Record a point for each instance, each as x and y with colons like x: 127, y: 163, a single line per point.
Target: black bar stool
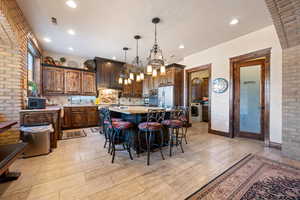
x: 105, y: 114
x: 152, y: 126
x: 174, y: 125
x: 117, y: 135
x: 183, y: 114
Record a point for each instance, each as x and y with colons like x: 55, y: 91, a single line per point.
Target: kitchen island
x: 137, y: 115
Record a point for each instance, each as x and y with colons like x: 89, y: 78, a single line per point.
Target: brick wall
x: 14, y: 34
x: 286, y: 17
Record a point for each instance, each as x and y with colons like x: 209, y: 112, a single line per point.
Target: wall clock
x: 220, y: 85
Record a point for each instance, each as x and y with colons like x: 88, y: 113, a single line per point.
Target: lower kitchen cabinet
x: 80, y: 117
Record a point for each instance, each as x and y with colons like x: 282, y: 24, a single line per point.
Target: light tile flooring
x: 80, y: 169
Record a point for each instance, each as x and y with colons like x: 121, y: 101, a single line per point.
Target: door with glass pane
x: 249, y: 99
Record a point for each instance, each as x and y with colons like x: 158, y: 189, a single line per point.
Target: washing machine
x: 196, y: 112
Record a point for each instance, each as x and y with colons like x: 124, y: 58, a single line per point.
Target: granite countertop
x: 132, y: 109
x: 48, y: 108
x: 79, y: 105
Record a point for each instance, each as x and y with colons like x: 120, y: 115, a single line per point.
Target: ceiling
x: 104, y: 27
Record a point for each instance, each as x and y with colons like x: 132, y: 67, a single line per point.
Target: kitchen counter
x: 131, y: 110
x: 48, y: 108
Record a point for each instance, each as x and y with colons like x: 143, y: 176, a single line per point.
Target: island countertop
x: 131, y: 110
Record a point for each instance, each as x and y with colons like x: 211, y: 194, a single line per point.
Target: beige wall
x: 219, y: 56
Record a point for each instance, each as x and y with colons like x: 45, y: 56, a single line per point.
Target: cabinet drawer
x: 37, y: 118
x: 78, y: 109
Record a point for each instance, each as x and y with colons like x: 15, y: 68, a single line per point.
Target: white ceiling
x: 104, y: 27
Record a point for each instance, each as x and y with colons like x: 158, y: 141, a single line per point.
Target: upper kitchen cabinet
x: 72, y: 82
x: 89, y: 83
x: 108, y: 72
x: 68, y: 81
x: 53, y: 80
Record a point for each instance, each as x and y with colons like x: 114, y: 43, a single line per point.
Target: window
x: 30, y: 65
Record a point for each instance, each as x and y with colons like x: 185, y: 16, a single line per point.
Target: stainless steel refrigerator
x: 166, y: 96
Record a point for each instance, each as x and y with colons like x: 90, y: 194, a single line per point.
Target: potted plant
x: 32, y: 88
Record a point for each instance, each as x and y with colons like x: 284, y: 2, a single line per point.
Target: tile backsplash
x: 65, y: 100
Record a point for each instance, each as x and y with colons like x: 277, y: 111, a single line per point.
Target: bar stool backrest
x: 156, y: 115
x: 183, y: 113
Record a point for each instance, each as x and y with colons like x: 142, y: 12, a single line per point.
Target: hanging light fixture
x: 137, y: 63
x: 156, y: 60
x: 129, y: 81
x: 123, y: 74
x: 125, y: 82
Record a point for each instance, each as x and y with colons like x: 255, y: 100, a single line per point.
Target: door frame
x: 265, y: 54
x: 187, y: 81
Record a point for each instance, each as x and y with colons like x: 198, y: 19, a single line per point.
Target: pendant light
x: 122, y: 77
x: 156, y: 59
x: 137, y: 63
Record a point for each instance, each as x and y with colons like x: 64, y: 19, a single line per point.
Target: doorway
x: 249, y: 95
x: 199, y: 94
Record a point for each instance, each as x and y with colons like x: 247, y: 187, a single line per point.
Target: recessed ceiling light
x: 71, y: 4
x: 114, y: 57
x: 234, y: 21
x: 71, y: 32
x: 71, y: 49
x: 181, y: 46
x: 46, y: 39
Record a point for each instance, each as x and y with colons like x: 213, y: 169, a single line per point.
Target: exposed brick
x: 14, y: 35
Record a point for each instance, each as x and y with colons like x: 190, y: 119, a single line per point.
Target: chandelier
x: 156, y: 60
x: 137, y: 63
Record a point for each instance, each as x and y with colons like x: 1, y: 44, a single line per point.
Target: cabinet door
x: 146, y: 87
x: 93, y: 116
x: 72, y: 82
x: 53, y: 80
x: 88, y: 83
x: 66, y: 122
x: 138, y: 89
x: 79, y: 119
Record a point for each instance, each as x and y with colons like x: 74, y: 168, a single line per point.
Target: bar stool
x: 105, y: 113
x: 174, y: 125
x: 183, y: 116
x: 117, y: 135
x: 154, y: 127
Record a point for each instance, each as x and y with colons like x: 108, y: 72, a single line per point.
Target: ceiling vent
x: 54, y: 20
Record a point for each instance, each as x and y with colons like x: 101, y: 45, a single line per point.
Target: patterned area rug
x: 256, y: 178
x: 74, y: 133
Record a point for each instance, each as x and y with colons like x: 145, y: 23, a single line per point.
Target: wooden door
x: 66, y: 122
x: 72, y: 82
x: 249, y: 101
x: 88, y: 83
x: 53, y: 80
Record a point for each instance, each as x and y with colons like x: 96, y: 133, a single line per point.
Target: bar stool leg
x: 181, y: 139
x: 139, y: 144
x: 113, y: 150
x: 161, y: 143
x: 148, y: 147
x: 170, y: 140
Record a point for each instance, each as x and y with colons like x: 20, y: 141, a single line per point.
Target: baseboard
x: 218, y: 132
x: 275, y: 145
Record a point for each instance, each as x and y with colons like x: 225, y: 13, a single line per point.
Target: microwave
x: 36, y: 103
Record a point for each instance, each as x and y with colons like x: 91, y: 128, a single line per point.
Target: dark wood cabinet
x: 72, y: 82
x: 80, y: 117
x: 68, y: 81
x: 53, y: 80
x: 135, y: 89
x: 88, y: 83
x: 108, y: 73
x: 173, y: 77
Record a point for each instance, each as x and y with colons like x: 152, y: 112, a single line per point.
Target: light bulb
x: 163, y: 70
x: 138, y: 79
x: 154, y: 73
x: 129, y: 81
x: 142, y: 76
x: 149, y: 69
x: 125, y: 82
x: 131, y: 76
x: 120, y: 80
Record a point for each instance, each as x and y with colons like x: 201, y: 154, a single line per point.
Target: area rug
x: 74, y: 133
x: 253, y: 177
